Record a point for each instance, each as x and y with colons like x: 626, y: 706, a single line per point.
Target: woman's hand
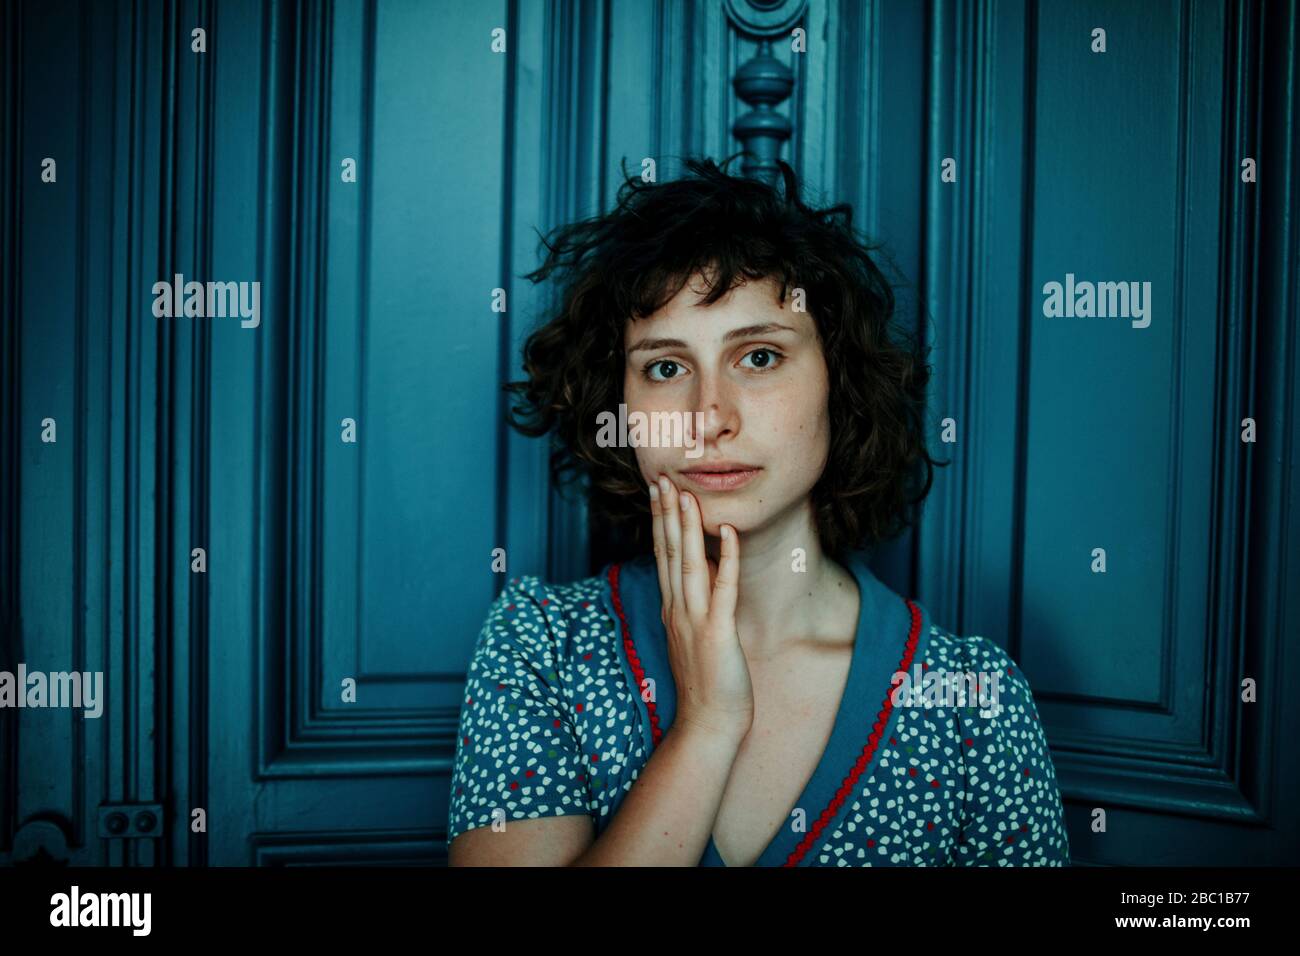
x: 699, y: 614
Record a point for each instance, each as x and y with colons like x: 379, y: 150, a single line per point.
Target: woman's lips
x: 720, y: 480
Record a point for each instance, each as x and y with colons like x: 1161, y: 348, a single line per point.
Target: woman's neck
x: 791, y: 591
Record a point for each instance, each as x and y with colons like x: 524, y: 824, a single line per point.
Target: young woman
x: 735, y: 695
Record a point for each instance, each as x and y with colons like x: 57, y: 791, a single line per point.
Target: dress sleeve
x: 1012, y: 814
x: 517, y: 755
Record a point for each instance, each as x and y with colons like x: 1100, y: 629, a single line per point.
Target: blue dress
x: 570, y: 690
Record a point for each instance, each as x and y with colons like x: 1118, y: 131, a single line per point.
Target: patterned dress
x: 570, y: 690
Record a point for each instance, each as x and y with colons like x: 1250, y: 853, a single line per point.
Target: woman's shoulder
x: 981, y: 658
x: 531, y: 590
x: 947, y: 647
x: 544, y: 617
x: 1012, y: 814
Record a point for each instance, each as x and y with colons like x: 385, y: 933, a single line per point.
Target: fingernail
x: 663, y: 485
x: 686, y: 501
x: 654, y: 492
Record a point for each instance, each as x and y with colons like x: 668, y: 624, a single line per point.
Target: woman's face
x: 755, y: 372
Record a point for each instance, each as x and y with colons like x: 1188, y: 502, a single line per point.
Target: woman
x: 736, y: 694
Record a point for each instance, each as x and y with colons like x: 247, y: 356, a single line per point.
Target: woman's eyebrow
x: 649, y: 345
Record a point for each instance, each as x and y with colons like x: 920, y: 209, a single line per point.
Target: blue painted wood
x: 372, y: 560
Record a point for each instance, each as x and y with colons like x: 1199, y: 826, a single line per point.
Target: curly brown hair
x: 629, y: 263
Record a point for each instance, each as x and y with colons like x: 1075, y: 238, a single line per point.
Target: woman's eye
x: 763, y: 358
x: 667, y: 369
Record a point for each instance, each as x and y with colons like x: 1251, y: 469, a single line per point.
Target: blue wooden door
x: 275, y: 539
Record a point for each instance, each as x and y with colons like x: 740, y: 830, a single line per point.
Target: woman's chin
x: 745, y: 517
x: 713, y: 524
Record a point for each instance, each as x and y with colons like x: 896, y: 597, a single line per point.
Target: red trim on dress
x: 864, y: 758
x: 637, y: 670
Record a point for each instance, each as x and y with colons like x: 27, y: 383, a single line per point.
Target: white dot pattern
x: 955, y: 788
x: 549, y: 726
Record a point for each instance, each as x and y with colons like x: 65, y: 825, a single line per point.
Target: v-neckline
x: 842, y: 714
x: 885, y: 642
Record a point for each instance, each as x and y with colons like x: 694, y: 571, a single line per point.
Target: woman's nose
x: 717, y: 407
